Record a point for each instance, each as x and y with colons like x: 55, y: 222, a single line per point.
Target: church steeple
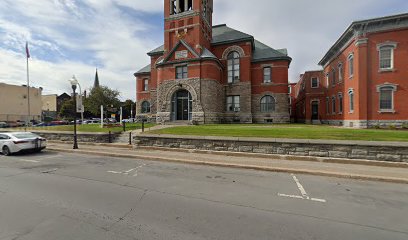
x: 96, y: 82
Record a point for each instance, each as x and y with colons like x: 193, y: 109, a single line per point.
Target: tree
x: 126, y: 108
x: 101, y: 95
x: 67, y: 109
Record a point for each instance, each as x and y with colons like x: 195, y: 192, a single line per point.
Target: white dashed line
x: 127, y: 172
x: 303, y: 192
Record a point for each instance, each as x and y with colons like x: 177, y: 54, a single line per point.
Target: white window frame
x: 394, y: 88
x: 317, y: 81
x: 350, y: 62
x: 327, y: 79
x: 386, y: 46
x: 333, y: 104
x: 267, y: 80
x: 145, y: 84
x: 341, y: 105
x: 351, y: 103
x: 340, y: 68
x: 143, y: 107
x: 184, y: 74
x: 273, y: 104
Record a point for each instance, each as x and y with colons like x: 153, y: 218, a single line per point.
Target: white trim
x: 394, y: 89
x: 350, y: 56
x: 385, y: 46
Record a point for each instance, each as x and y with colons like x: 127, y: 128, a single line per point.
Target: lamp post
x: 74, y: 83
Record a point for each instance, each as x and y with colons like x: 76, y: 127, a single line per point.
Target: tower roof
x: 96, y: 82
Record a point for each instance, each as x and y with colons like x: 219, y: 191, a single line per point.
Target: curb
x: 285, y: 157
x: 240, y: 166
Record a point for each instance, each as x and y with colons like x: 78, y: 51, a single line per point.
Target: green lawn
x: 89, y: 128
x: 296, y: 131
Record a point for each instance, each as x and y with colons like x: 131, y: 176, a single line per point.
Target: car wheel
x: 6, y: 151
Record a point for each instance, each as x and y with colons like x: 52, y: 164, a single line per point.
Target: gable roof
x: 364, y: 26
x: 224, y: 35
x: 186, y: 45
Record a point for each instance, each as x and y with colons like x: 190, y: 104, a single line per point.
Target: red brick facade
x: 358, y: 90
x: 194, y: 76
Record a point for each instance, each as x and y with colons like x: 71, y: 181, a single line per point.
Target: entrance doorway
x: 182, y: 106
x: 315, y: 110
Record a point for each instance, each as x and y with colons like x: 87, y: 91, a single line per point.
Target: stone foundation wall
x: 381, y: 151
x: 82, y: 137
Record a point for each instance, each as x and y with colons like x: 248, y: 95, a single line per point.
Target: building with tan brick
x: 211, y: 74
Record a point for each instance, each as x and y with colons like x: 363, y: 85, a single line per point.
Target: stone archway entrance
x: 181, y: 106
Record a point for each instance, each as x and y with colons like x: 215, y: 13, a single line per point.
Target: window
x: 327, y: 79
x: 351, y: 65
x: 340, y: 103
x: 327, y: 105
x: 233, y: 67
x: 333, y: 77
x: 333, y: 105
x: 289, y: 89
x: 268, y: 104
x: 145, y: 85
x: 386, y: 57
x: 351, y: 101
x: 145, y: 107
x: 181, y: 72
x: 233, y: 104
x: 315, y: 82
x: 179, y: 6
x: 267, y: 75
x: 386, y: 98
x: 340, y: 72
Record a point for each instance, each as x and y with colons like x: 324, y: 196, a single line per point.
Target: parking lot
x: 55, y: 195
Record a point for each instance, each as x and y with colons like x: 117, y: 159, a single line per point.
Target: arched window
x: 351, y: 65
x: 340, y: 67
x: 351, y: 100
x: 233, y: 67
x: 268, y: 104
x: 145, y: 107
x: 333, y: 77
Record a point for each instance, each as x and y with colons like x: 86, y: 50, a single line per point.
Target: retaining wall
x: 82, y: 137
x: 380, y: 151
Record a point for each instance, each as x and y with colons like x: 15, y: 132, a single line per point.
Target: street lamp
x: 74, y: 83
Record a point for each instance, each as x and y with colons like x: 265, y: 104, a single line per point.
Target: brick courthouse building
x: 211, y: 74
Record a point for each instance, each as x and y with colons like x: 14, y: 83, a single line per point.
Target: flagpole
x: 28, y: 87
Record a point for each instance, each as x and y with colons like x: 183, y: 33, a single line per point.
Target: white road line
x: 26, y: 160
x: 301, y: 188
x: 129, y: 171
x: 114, y: 172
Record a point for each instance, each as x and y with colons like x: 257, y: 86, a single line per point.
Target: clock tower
x: 190, y: 21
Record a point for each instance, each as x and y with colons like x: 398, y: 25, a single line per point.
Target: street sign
x: 80, y: 105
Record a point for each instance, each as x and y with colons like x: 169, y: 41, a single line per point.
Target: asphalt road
x: 69, y: 196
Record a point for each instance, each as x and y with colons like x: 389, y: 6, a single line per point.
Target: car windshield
x: 25, y: 135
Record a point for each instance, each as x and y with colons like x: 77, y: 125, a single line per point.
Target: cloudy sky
x: 69, y: 37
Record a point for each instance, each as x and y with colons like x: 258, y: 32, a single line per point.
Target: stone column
x: 178, y: 6
x: 171, y: 7
x: 185, y: 5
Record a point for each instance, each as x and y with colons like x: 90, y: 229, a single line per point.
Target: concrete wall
x: 82, y: 137
x: 380, y: 151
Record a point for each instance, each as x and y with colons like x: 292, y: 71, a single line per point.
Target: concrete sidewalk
x: 354, y: 169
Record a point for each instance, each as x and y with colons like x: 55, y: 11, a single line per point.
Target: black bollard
x: 130, y: 138
x: 124, y: 126
x: 110, y: 137
x: 142, y: 125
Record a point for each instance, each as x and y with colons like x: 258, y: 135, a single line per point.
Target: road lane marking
x: 127, y: 172
x: 303, y: 192
x: 30, y: 161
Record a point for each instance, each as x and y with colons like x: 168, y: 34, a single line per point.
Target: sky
x: 74, y: 37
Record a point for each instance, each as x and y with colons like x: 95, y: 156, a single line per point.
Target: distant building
x: 49, y: 106
x: 14, y: 103
x: 61, y: 99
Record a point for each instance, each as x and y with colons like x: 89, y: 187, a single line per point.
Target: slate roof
x: 222, y: 34
x: 263, y: 52
x: 146, y: 69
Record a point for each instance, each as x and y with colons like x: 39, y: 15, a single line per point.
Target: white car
x: 14, y: 142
